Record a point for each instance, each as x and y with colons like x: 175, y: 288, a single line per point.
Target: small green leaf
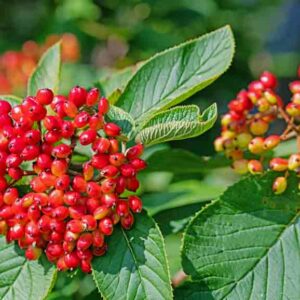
x: 21, y: 278
x: 13, y: 100
x: 246, y: 245
x: 174, y: 75
x: 47, y: 72
x: 121, y: 118
x: 177, y: 123
x: 135, y: 266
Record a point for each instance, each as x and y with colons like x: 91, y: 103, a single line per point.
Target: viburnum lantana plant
x: 245, y: 129
x: 70, y: 195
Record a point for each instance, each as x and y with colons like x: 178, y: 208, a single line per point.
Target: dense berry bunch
x: 17, y: 66
x: 245, y: 138
x: 70, y: 207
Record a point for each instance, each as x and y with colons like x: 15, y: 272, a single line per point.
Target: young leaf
x: 135, y: 267
x: 121, y: 118
x: 172, y: 76
x: 21, y: 278
x: 13, y: 100
x: 177, y: 123
x: 246, y: 245
x: 47, y: 72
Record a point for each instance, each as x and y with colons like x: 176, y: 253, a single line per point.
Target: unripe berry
x: 112, y: 129
x: 88, y: 171
x: 293, y: 109
x: 256, y: 146
x: 240, y: 166
x: 271, y: 142
x: 101, y: 212
x: 271, y: 97
x: 279, y: 185
x: 278, y: 164
x: 255, y: 167
x: 259, y: 127
x: 263, y: 105
x: 243, y: 139
x: 218, y: 144
x: 59, y: 167
x: 295, y: 87
x: 70, y: 109
x: 294, y: 161
x: 78, y: 96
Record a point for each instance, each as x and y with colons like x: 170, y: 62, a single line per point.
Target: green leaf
x: 135, y: 266
x: 180, y: 194
x: 116, y: 81
x: 21, y: 278
x: 47, y: 72
x: 179, y: 161
x: 246, y: 245
x: 174, y: 75
x: 121, y: 118
x: 192, y: 291
x: 177, y: 123
x: 13, y: 100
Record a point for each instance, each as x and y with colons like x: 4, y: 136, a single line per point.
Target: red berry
x: 103, y: 106
x: 78, y: 96
x: 135, y: 204
x: 92, y: 97
x: 82, y: 119
x: 111, y: 129
x: 87, y: 137
x: 106, y: 226
x: 44, y: 96
x: 268, y: 80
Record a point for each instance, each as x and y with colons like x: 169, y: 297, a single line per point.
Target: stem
x: 298, y: 143
x: 178, y: 278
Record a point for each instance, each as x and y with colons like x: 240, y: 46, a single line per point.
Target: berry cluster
x: 69, y: 208
x: 244, y: 137
x: 17, y: 66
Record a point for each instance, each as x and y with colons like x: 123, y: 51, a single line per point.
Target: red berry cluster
x: 70, y: 207
x: 244, y: 137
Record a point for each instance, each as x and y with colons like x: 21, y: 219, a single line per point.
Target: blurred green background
x: 114, y: 34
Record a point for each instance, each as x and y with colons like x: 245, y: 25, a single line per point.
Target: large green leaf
x: 192, y: 291
x: 172, y: 76
x: 177, y: 123
x: 117, y: 80
x: 135, y: 266
x: 246, y: 245
x: 47, y: 72
x: 23, y: 279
